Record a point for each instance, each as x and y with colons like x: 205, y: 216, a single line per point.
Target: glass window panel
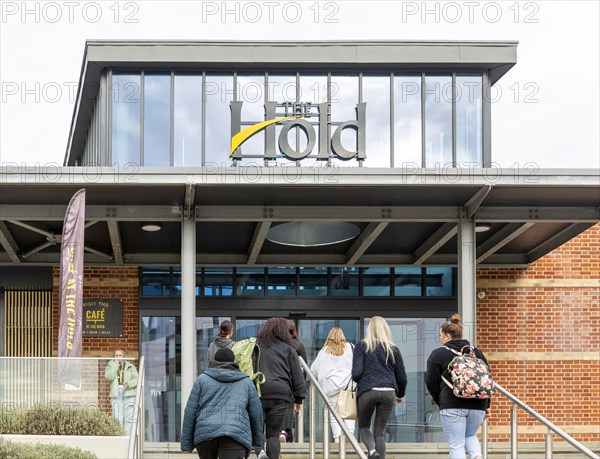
x: 156, y: 282
x: 247, y: 328
x: 408, y: 281
x: 218, y: 282
x: 157, y: 119
x: 313, y: 282
x: 161, y: 347
x: 469, y: 127
x: 440, y: 282
x: 344, y: 281
x: 250, y: 282
x: 376, y: 93
x: 219, y: 92
x: 376, y: 282
x: 282, y: 281
x: 283, y: 89
x: 313, y: 88
x: 251, y: 90
x: 438, y: 120
x: 407, y: 122
x: 344, y: 98
x: 126, y: 103
x: 177, y: 282
x: 187, y: 131
x: 415, y: 420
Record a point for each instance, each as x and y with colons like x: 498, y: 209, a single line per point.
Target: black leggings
x: 221, y: 448
x: 382, y: 403
x: 274, y: 412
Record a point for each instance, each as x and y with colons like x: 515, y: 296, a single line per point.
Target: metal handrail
x: 136, y: 437
x: 315, y: 385
x: 513, y: 429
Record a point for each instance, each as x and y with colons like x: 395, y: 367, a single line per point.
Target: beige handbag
x: 347, y: 403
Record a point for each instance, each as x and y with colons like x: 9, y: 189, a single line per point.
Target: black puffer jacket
x: 437, y: 365
x: 283, y: 376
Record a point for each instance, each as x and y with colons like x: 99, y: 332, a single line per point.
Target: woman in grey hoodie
x: 222, y: 340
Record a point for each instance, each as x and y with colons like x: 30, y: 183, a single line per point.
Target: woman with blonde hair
x: 378, y: 369
x: 333, y: 370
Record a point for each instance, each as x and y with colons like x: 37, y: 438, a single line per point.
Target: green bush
x: 15, y: 450
x: 58, y: 420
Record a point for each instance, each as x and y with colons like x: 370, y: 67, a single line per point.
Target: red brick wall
x: 552, y: 307
x: 105, y: 282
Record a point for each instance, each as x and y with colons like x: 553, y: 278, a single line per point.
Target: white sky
x: 547, y: 112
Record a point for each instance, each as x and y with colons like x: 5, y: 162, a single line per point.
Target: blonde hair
x: 379, y: 333
x: 335, y: 344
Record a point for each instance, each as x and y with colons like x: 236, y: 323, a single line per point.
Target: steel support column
x: 467, y: 277
x: 188, y: 309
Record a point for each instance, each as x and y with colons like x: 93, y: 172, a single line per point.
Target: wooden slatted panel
x: 27, y: 333
x: 27, y: 323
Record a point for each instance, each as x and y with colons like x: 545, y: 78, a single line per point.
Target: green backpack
x: 244, y: 356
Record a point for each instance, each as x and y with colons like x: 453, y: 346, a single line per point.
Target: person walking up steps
x: 378, y: 369
x: 333, y: 370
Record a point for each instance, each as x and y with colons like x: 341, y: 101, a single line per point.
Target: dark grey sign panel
x: 103, y: 317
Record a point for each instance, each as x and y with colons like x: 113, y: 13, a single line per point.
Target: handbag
x: 347, y: 403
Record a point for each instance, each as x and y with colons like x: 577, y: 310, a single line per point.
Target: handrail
x: 543, y: 420
x: 136, y: 437
x: 336, y: 415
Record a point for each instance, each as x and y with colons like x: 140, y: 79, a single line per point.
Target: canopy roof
x: 404, y: 219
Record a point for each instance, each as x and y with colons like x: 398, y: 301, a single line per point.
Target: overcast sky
x: 546, y: 109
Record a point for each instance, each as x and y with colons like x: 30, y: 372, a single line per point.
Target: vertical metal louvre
x: 27, y: 322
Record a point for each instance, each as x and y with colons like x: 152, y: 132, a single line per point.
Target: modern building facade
x: 325, y: 182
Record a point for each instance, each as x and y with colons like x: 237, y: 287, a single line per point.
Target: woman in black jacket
x: 284, y: 381
x: 378, y: 369
x: 460, y: 417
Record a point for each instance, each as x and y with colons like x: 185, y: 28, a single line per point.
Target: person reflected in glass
x: 333, y: 369
x: 378, y: 369
x: 123, y: 378
x: 460, y: 417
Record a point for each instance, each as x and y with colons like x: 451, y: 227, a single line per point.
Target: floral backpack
x: 470, y: 375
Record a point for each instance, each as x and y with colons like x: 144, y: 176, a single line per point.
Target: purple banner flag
x: 71, y: 289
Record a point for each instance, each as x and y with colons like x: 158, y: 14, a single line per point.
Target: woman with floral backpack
x: 460, y: 417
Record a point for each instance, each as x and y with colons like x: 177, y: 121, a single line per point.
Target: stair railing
x: 514, y: 426
x: 138, y: 428
x: 313, y: 389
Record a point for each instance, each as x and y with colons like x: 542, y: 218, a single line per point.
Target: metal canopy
x: 404, y: 220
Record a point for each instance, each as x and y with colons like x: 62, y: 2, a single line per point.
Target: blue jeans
x: 460, y: 427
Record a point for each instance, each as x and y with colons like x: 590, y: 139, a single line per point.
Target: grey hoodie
x: 220, y: 342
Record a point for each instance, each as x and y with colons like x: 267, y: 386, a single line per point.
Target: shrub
x: 15, y: 450
x: 58, y: 420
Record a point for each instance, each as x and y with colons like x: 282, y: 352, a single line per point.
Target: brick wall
x: 540, y: 327
x: 105, y: 282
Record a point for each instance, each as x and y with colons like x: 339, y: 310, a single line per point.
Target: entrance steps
x: 394, y: 451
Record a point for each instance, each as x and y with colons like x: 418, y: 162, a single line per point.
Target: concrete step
x: 394, y: 451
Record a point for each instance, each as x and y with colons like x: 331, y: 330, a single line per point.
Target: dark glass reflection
x: 376, y: 281
x: 344, y: 281
x: 313, y: 282
x: 250, y: 282
x: 282, y: 282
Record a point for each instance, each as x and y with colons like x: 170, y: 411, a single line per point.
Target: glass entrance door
x: 415, y: 420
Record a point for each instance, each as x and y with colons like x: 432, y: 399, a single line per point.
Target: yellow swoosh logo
x: 243, y: 135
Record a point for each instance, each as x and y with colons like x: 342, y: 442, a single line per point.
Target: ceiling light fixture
x: 482, y: 227
x: 151, y: 227
x: 312, y: 234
